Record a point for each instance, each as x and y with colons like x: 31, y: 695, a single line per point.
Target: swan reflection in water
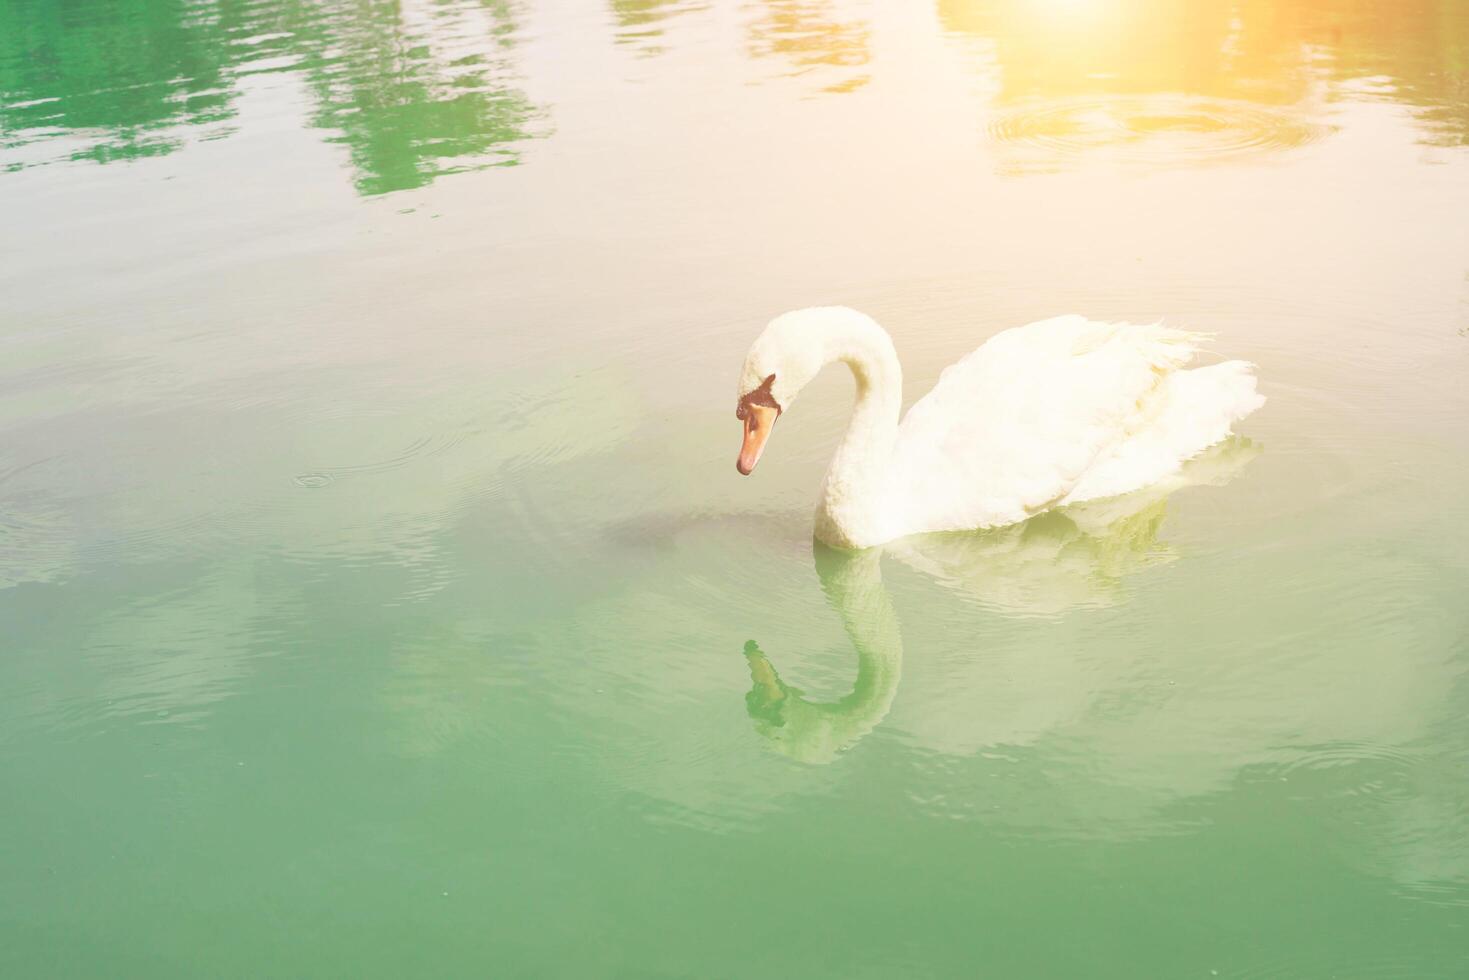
x: 1055, y: 562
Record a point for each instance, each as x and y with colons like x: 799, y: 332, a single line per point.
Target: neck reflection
x: 815, y: 732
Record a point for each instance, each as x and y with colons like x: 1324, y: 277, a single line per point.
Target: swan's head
x: 758, y: 410
x: 789, y: 352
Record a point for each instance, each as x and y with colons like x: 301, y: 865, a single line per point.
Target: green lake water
x: 378, y: 597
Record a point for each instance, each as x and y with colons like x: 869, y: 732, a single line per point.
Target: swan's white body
x: 1053, y: 413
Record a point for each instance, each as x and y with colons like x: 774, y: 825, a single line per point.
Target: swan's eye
x: 760, y: 396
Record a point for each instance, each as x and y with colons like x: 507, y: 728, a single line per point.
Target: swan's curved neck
x: 852, y: 512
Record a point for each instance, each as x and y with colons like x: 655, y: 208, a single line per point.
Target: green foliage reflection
x: 410, y: 97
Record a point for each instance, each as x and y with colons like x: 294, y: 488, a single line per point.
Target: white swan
x: 1053, y: 413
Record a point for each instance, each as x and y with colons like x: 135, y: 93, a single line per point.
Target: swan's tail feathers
x: 1168, y: 349
x: 1235, y: 385
x: 1206, y: 402
x: 1198, y: 410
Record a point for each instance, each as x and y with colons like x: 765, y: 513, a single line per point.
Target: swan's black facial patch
x: 760, y: 396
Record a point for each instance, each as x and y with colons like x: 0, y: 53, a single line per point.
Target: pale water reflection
x: 1070, y: 559
x: 815, y: 37
x: 1163, y: 83
x: 640, y: 23
x: 419, y: 91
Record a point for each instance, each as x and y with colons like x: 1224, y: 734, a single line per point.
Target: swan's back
x: 1020, y: 423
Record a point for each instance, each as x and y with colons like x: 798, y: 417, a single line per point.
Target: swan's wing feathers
x: 1014, y: 426
x: 1198, y: 409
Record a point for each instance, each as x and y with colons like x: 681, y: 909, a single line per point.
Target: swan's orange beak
x: 759, y: 420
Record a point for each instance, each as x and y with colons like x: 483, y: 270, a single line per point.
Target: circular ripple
x: 1357, y: 769
x: 313, y: 480
x: 36, y: 544
x: 1154, y: 130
